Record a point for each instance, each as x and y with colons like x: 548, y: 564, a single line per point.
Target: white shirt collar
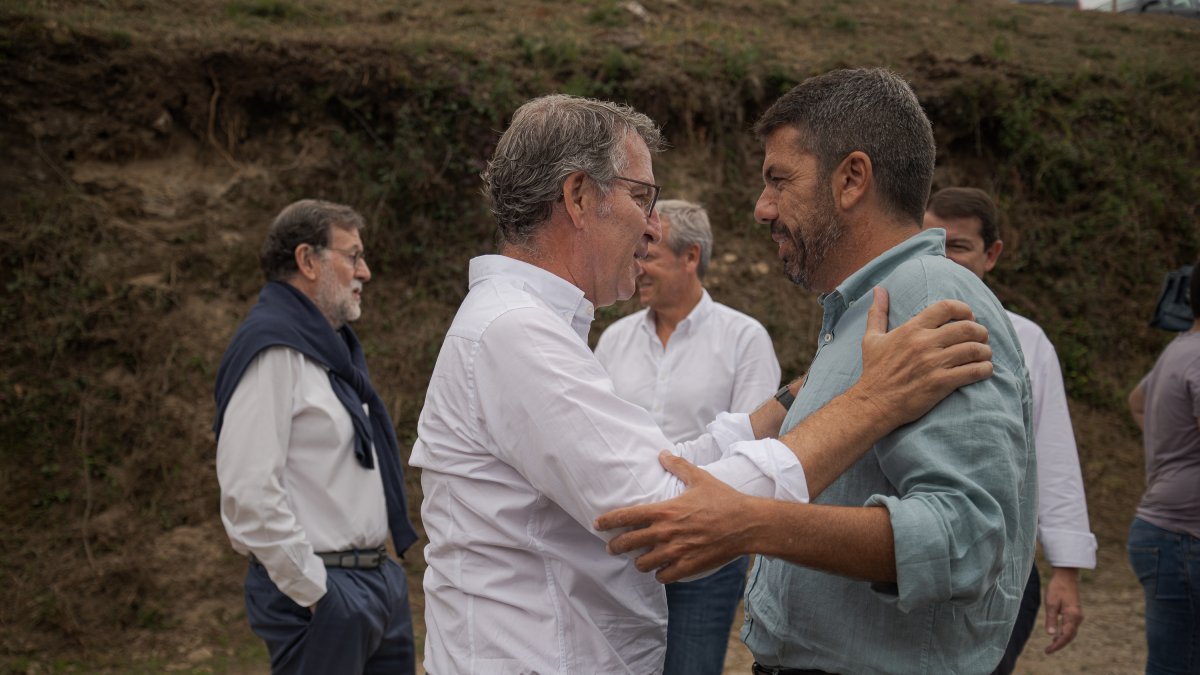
x: 694, y: 317
x: 563, y: 297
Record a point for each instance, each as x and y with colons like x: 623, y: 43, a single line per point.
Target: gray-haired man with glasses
x: 307, y: 459
x: 523, y: 442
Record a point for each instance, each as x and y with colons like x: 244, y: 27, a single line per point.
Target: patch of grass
x: 1097, y: 53
x: 607, y: 14
x: 270, y: 10
x: 1001, y: 48
x: 549, y: 53
x: 844, y: 24
x: 1008, y: 22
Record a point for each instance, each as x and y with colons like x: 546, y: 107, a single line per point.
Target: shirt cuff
x: 765, y: 468
x: 1068, y: 548
x: 306, y: 585
x: 730, y: 428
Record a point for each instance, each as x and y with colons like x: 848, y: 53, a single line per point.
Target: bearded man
x: 914, y: 560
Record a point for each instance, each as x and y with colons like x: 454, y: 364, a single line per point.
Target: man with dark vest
x: 307, y: 459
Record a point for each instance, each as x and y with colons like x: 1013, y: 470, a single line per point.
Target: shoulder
x: 1034, y: 343
x: 732, y: 320
x: 1027, y: 330
x: 926, y: 279
x: 922, y: 280
x: 627, y: 323
x: 489, y: 303
x: 621, y: 330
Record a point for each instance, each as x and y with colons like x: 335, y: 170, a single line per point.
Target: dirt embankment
x: 140, y: 174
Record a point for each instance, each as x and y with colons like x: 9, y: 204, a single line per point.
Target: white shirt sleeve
x: 1063, y: 527
x: 251, y: 454
x: 765, y: 468
x: 552, y: 411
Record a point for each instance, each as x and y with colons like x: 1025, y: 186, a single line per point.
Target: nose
x: 654, y: 227
x: 362, y: 271
x: 765, y: 211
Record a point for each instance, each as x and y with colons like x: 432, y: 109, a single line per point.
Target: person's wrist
x: 785, y: 397
x: 873, y: 418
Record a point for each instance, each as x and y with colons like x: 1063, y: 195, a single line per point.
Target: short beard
x: 338, y: 310
x: 826, y: 230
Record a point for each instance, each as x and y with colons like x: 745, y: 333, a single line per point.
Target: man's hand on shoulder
x: 910, y: 369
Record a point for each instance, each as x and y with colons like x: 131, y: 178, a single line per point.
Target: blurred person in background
x: 1164, y: 540
x: 969, y: 217
x: 307, y: 459
x: 685, y: 358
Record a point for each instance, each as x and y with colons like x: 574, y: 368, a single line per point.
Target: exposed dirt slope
x: 146, y: 145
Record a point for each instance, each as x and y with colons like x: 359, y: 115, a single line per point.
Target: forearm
x: 832, y: 439
x: 855, y: 542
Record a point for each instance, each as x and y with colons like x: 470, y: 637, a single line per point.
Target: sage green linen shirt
x: 959, y: 485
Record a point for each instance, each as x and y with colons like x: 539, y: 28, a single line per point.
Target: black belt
x: 765, y: 670
x: 354, y: 559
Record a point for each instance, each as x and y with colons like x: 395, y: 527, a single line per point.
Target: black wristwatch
x: 785, y: 397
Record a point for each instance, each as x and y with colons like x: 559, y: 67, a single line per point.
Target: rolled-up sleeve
x: 959, y: 470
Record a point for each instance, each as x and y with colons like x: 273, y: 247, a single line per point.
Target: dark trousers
x: 699, y: 617
x: 1023, y: 628
x: 363, y: 623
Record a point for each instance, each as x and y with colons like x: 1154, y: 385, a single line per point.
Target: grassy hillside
x: 146, y: 144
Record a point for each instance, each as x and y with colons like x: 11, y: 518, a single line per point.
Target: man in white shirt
x: 523, y: 442
x: 973, y: 240
x: 685, y: 359
x: 307, y: 460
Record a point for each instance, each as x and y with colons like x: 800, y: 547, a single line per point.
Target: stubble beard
x: 826, y: 229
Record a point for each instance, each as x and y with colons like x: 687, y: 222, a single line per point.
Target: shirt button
x: 828, y: 337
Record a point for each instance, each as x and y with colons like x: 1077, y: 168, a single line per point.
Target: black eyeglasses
x: 641, y: 199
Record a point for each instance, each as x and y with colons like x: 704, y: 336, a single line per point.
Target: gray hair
x: 871, y: 110
x: 689, y: 225
x: 307, y: 221
x: 549, y: 139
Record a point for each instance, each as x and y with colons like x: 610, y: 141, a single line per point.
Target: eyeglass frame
x: 353, y: 256
x: 653, y: 200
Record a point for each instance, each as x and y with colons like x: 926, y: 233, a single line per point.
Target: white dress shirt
x: 290, y: 483
x: 1067, y: 540
x: 717, y: 359
x: 522, y: 444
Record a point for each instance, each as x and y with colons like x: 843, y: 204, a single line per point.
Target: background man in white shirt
x: 973, y: 240
x: 685, y: 359
x: 307, y: 459
x: 523, y: 442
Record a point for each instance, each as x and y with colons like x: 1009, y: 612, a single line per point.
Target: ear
x: 691, y: 258
x: 306, y: 261
x: 993, y: 255
x: 576, y: 195
x: 852, y: 180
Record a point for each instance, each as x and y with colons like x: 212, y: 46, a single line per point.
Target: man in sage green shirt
x: 914, y: 560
